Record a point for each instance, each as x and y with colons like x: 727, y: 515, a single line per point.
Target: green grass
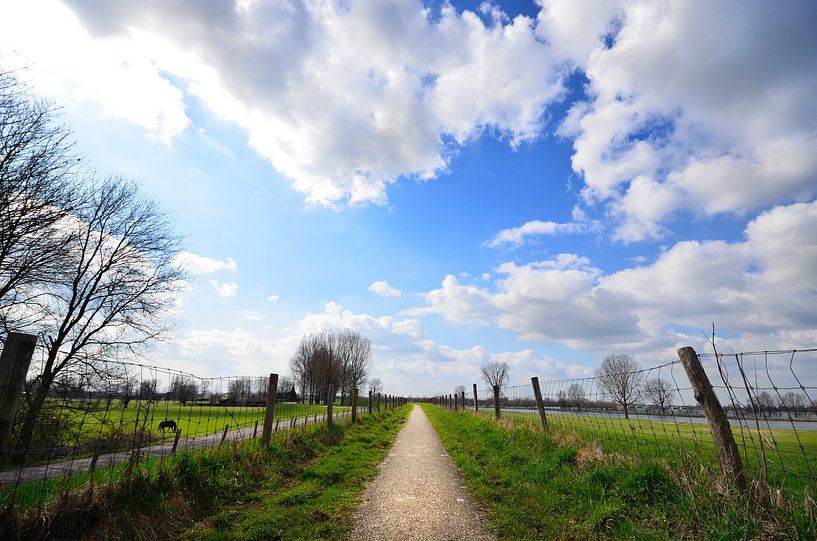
x: 788, y: 465
x: 235, y: 484
x: 312, y: 500
x: 73, y: 424
x: 192, y: 419
x: 564, y: 485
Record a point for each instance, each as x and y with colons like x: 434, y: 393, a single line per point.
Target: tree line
x: 623, y: 384
x: 86, y: 263
x: 338, y: 360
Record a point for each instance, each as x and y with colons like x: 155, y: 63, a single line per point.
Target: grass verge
x: 173, y: 497
x: 561, y: 486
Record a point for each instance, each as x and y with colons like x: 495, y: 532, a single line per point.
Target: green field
x: 78, y: 426
x: 305, y: 485
x: 192, y: 419
x: 584, y: 480
x: 791, y: 457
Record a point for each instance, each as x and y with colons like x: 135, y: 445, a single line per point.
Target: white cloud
x: 404, y: 357
x: 340, y: 124
x: 689, y: 108
x: 273, y: 298
x: 518, y: 236
x: 383, y: 289
x: 225, y: 290
x: 112, y: 72
x: 763, y: 286
x: 199, y: 264
x: 252, y: 315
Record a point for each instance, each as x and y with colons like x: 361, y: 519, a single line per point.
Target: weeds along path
x: 419, y: 494
x: 69, y: 466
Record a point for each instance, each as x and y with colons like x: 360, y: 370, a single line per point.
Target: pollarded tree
x: 619, y: 377
x: 496, y: 375
x: 116, y: 290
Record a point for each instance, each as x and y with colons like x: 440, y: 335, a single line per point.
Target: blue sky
x: 541, y: 183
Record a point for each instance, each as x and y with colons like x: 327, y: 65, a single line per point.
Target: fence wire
x: 768, y: 397
x: 103, y: 419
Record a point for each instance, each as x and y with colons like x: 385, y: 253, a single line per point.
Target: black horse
x: 167, y: 423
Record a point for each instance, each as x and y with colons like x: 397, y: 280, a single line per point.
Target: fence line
x: 109, y: 413
x: 766, y: 397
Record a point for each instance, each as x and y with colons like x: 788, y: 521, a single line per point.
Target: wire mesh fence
x: 106, y: 418
x: 768, y: 398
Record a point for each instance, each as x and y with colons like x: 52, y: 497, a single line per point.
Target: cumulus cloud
x: 225, y: 290
x: 199, y: 264
x: 688, y: 107
x: 114, y: 73
x: 383, y: 289
x: 340, y: 124
x: 762, y: 286
x: 517, y: 236
x: 405, y: 358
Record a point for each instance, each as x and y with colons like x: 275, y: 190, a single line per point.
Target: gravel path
x: 419, y: 494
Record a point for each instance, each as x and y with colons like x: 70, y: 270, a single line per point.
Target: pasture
x: 790, y: 455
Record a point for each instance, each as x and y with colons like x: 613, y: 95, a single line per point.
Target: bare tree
x: 239, y: 389
x: 793, y: 402
x: 356, y: 351
x: 118, y: 285
x: 375, y: 385
x: 339, y: 358
x: 183, y: 388
x: 496, y: 375
x: 575, y: 395
x: 765, y: 402
x: 660, y: 392
x: 147, y: 389
x: 36, y: 194
x: 619, y: 377
x: 459, y: 389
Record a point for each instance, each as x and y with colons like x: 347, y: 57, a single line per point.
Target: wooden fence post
x: 269, y: 414
x: 378, y: 402
x: 462, y: 400
x: 497, y: 411
x: 539, y: 404
x: 456, y: 399
x: 728, y: 453
x: 330, y: 399
x: 224, y: 434
x: 370, y: 401
x: 476, y: 403
x: 14, y: 361
x: 179, y: 435
x: 354, y: 405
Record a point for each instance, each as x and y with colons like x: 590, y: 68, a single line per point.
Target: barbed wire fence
x: 766, y: 398
x: 106, y: 418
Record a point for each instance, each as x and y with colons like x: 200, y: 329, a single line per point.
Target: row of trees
x: 338, y: 358
x: 85, y: 263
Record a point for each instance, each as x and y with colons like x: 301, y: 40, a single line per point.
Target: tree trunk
x: 35, y: 407
x: 497, y: 410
